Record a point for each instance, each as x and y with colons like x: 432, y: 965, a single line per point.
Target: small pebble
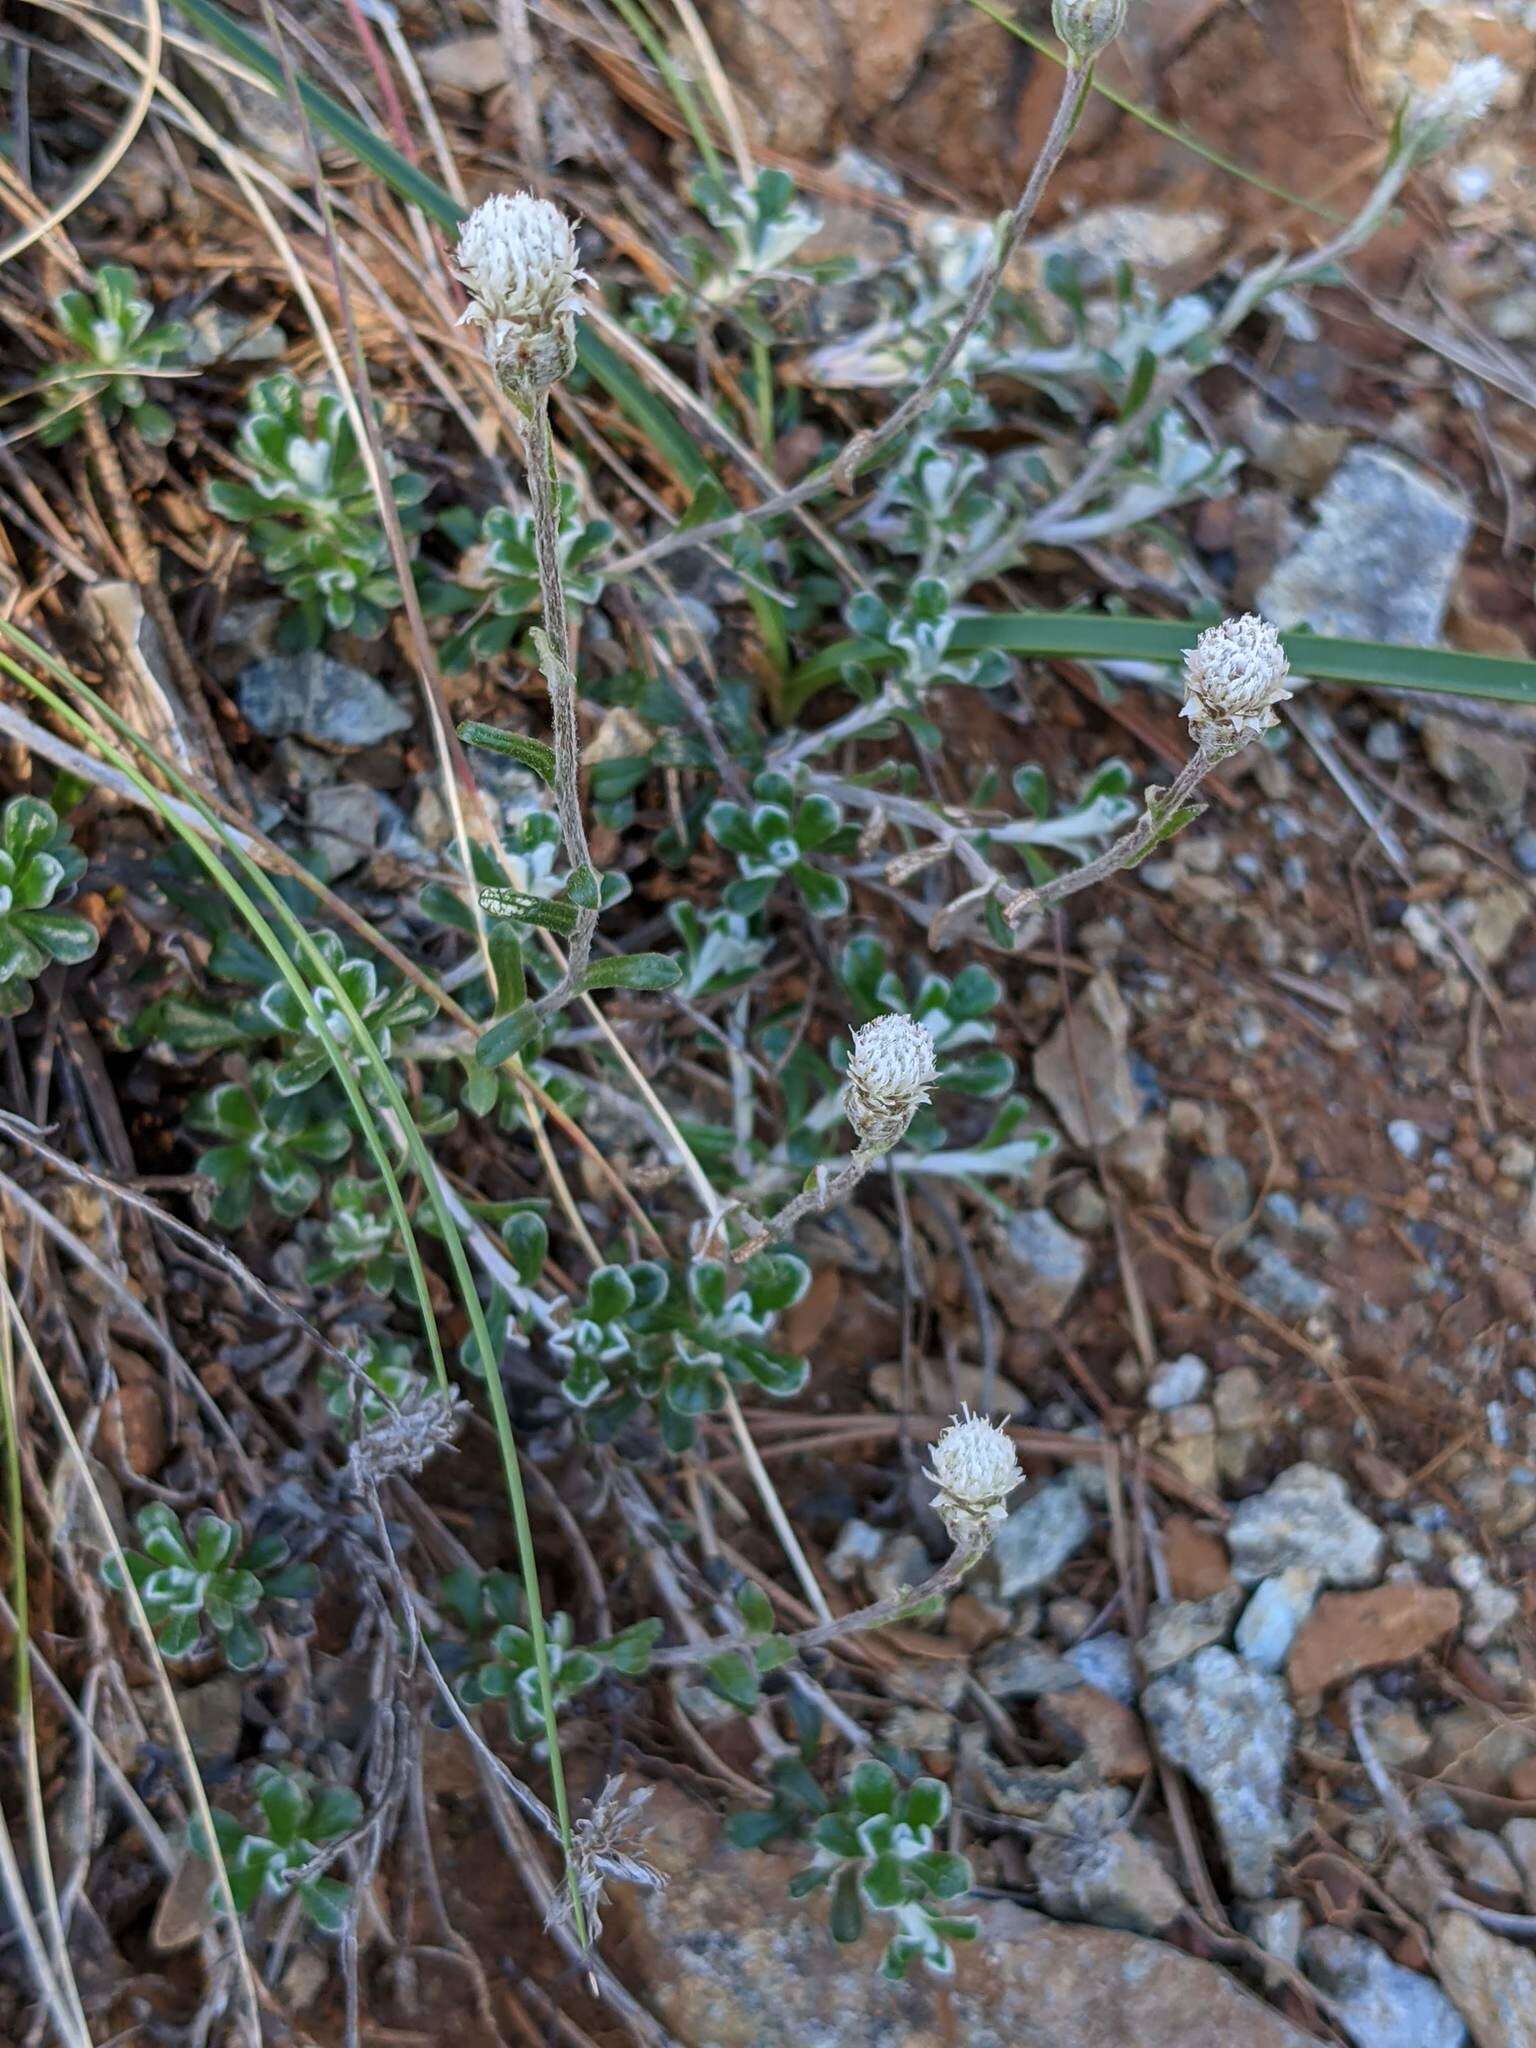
x: 1177, y: 1381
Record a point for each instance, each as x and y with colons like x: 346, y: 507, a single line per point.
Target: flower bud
x: 1433, y: 119
x: 517, y: 259
x: 1234, y: 676
x: 890, y: 1071
x: 1087, y: 27
x: 975, y: 1469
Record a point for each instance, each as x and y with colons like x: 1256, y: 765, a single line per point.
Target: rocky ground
x: 1239, y: 1715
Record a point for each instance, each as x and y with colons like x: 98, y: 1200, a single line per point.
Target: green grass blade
x: 1094, y: 636
x: 421, y: 1157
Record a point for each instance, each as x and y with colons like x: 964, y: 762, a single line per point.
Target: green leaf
x: 753, y: 1830
x: 1096, y: 636
x: 883, y: 1884
x: 872, y: 1788
x: 549, y: 912
x: 846, y: 1918
x: 325, y: 1903
x: 284, y: 1802
x: 507, y: 1036
x: 926, y: 1803
x: 530, y: 753
x: 755, y: 1608
x: 649, y: 971
x: 735, y: 1679
x: 526, y: 1237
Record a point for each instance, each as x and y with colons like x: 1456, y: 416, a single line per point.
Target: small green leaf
x: 552, y: 914
x: 650, y: 971
x: 755, y: 1608
x: 530, y: 753
x: 507, y: 1036
x: 734, y: 1678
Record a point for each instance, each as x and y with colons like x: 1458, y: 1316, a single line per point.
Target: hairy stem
x: 1130, y: 847
x: 864, y: 448
x: 544, y: 490
x: 891, y: 1608
x: 825, y: 1191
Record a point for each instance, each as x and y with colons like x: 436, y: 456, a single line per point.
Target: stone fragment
x: 1229, y: 1728
x: 1377, y: 2002
x: 1050, y: 1526
x: 1041, y: 1267
x: 1305, y: 1518
x: 1490, y: 1981
x: 1176, y: 1629
x: 320, y: 700
x: 1382, y: 559
x: 1348, y: 1633
x: 1088, y: 1057
x: 725, y: 1958
x: 1108, y: 1733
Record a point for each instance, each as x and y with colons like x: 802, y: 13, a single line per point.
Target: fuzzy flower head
x: 1433, y: 119
x: 975, y: 1469
x: 605, y: 1847
x: 890, y: 1071
x: 517, y: 259
x: 1087, y: 27
x: 1234, y: 676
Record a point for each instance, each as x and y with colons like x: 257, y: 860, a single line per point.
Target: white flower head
x: 1087, y: 26
x: 975, y: 1469
x: 1432, y: 119
x: 517, y: 259
x: 890, y: 1071
x: 1234, y: 676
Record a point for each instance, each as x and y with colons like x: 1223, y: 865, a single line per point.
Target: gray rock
x: 722, y: 1956
x: 1520, y: 1841
x: 1038, y: 1537
x: 1177, y: 1381
x: 1279, y: 1285
x: 1305, y: 1519
x: 1109, y: 1662
x: 1490, y: 1981
x: 1218, y: 1195
x: 1277, y: 1925
x: 1268, y: 1624
x: 1381, y: 562
x: 1045, y: 1267
x: 1026, y: 1671
x: 1088, y: 1870
x: 212, y: 1714
x: 1405, y: 1136
x: 858, y: 1545
x: 1093, y: 1051
x: 344, y: 822
x: 1377, y: 2002
x: 1229, y: 1728
x: 1153, y: 241
x: 1488, y: 1870
x: 1488, y: 772
x: 321, y: 700
x: 1176, y: 1629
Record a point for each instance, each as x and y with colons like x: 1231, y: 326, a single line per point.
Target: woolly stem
x: 544, y: 490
